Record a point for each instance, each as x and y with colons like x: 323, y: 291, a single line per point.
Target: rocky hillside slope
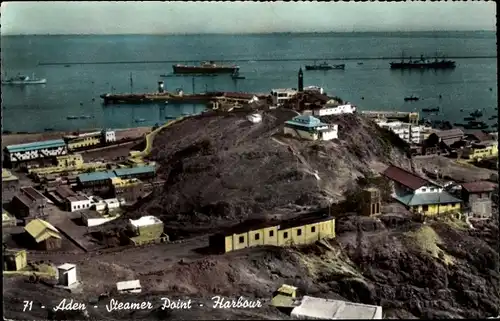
x: 221, y: 168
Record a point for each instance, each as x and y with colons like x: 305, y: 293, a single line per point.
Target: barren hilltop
x: 220, y: 168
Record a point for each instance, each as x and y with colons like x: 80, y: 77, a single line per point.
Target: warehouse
x: 146, y: 229
x: 28, y: 203
x: 15, y: 154
x: 43, y: 235
x: 305, y: 229
x: 95, y: 180
x: 139, y: 172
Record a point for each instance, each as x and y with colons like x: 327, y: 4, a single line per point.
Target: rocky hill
x: 220, y: 168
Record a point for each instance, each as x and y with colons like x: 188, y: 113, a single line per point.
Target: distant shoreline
x: 306, y: 33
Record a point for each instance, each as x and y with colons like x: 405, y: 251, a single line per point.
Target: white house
x: 67, y: 274
x: 280, y: 96
x: 326, y: 309
x: 314, y: 88
x: 334, y: 110
x: 112, y: 203
x: 78, y: 203
x: 412, y: 134
x: 310, y: 128
x: 133, y: 286
x: 109, y: 136
x: 93, y: 218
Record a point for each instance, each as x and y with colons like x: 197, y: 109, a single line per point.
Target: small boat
x: 85, y: 117
x: 67, y: 66
x: 430, y: 110
x: 72, y: 117
x: 493, y: 117
x: 48, y: 129
x: 170, y: 117
x: 470, y: 118
x: 412, y: 98
x: 360, y: 63
x: 476, y: 113
x: 140, y: 120
x: 236, y: 75
x: 341, y: 66
x: 494, y: 125
x: 474, y: 124
x: 24, y: 80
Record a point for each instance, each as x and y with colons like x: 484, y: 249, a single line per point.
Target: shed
x: 133, y: 286
x: 325, y: 309
x: 44, y: 235
x: 14, y: 260
x: 404, y: 177
x: 67, y: 274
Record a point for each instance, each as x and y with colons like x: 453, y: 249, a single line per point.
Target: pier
x: 157, y: 98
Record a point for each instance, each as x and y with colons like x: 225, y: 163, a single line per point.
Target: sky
x: 241, y: 17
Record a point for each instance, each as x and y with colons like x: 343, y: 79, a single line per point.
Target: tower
x: 301, y: 81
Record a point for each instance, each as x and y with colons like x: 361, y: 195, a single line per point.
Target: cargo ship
x: 206, y: 68
x: 423, y: 63
x: 324, y: 66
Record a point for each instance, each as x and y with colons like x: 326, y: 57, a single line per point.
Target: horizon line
x: 235, y: 34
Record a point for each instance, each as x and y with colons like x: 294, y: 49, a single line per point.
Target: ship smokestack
x: 160, y: 87
x: 301, y: 80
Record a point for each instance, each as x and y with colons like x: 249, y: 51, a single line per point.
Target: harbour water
x: 73, y: 89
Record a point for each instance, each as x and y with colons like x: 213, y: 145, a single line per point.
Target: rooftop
x: 428, y: 199
x: 306, y: 121
x: 66, y: 266
x: 146, y: 221
x: 35, y: 146
x: 7, y: 176
x: 450, y: 133
x: 95, y: 176
x: 134, y: 170
x: 128, y: 285
x: 41, y: 230
x: 405, y: 177
x: 32, y: 193
x: 478, y: 187
x: 77, y: 198
x: 326, y: 309
x: 64, y: 191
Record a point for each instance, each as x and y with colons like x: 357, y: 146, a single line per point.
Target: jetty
x: 164, y: 97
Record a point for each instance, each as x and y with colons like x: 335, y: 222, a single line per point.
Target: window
x: 257, y: 236
x: 432, y: 189
x: 271, y: 233
x: 242, y: 239
x: 373, y: 209
x: 313, y: 229
x: 424, y: 189
x: 425, y: 208
x: 299, y: 232
x: 377, y: 208
x: 285, y: 235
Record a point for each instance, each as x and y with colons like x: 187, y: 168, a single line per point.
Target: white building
x: 109, y: 136
x: 129, y: 286
x: 144, y: 221
x: 35, y: 150
x: 93, y: 218
x: 325, y: 309
x: 78, y: 202
x: 310, y: 128
x: 280, y: 96
x: 409, y: 133
x: 67, y: 274
x: 314, y: 88
x: 334, y: 110
x: 112, y: 204
x: 255, y: 118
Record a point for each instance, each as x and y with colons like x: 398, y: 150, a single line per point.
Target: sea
x: 79, y: 68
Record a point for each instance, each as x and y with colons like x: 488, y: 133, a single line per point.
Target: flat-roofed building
x: 129, y: 189
x: 10, y: 185
x: 326, y: 309
x: 78, y: 203
x: 95, y: 180
x: 139, y: 172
